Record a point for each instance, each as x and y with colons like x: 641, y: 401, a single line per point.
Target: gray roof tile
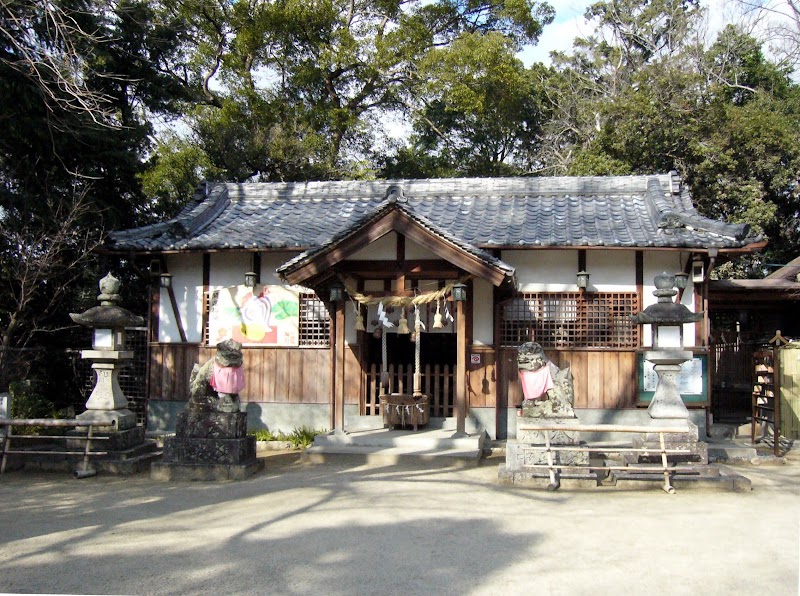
x: 485, y: 213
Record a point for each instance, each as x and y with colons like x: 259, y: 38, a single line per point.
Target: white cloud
x: 559, y: 35
x: 569, y: 24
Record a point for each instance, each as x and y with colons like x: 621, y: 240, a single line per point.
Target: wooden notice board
x: 692, y: 380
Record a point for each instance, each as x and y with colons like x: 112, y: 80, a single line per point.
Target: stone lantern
x: 667, y: 402
x: 107, y: 405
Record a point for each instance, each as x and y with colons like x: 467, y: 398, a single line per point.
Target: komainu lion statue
x: 215, y: 385
x: 548, y: 390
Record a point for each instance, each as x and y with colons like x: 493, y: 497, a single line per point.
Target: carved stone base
x: 205, y: 472
x: 208, y: 446
x: 210, y: 451
x: 518, y: 456
x: 107, y: 441
x: 211, y: 425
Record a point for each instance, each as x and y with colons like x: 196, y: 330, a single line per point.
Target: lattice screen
x: 315, y: 322
x: 571, y: 320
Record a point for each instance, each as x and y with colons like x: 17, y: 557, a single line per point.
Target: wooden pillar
x: 460, y: 405
x: 338, y: 372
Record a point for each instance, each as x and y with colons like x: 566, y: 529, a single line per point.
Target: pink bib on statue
x: 227, y: 379
x: 535, y: 383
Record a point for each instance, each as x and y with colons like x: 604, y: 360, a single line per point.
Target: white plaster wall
x: 544, y: 270
x: 384, y: 248
x: 416, y: 251
x: 482, y: 313
x: 228, y: 269
x: 270, y: 261
x: 611, y: 270
x: 187, y: 284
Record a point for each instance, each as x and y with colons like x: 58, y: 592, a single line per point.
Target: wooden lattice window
x: 315, y: 322
x: 571, y: 320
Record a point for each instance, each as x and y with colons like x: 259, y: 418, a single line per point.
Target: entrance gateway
x: 392, y: 268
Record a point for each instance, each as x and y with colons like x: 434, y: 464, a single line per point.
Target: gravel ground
x: 333, y: 529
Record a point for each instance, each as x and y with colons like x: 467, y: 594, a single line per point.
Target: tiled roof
x: 395, y: 200
x: 485, y: 213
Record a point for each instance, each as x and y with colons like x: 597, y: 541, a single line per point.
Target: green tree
x: 724, y: 116
x: 294, y: 89
x: 479, y: 109
x: 78, y: 81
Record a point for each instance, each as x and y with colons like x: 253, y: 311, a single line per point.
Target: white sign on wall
x: 689, y: 379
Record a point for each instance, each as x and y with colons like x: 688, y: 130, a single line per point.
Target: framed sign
x: 692, y: 381
x: 260, y: 316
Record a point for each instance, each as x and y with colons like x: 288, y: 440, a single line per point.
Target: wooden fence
x: 731, y: 370
x: 437, y: 383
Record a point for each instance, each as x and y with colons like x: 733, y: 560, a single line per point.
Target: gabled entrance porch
x: 387, y: 272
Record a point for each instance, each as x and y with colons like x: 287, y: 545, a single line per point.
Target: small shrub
x: 303, y: 437
x: 262, y: 434
x: 28, y: 401
x: 299, y: 438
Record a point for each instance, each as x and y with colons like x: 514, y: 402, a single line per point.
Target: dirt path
x: 336, y: 529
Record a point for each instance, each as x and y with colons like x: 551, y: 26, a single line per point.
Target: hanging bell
x: 437, y: 318
x: 402, y: 327
x: 377, y: 333
x: 359, y: 322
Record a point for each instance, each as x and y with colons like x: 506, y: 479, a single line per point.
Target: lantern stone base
x: 685, y: 438
x: 108, y: 441
x: 110, y: 420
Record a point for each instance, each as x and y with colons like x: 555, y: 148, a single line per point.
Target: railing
x: 553, y: 468
x: 85, y: 470
x: 437, y: 383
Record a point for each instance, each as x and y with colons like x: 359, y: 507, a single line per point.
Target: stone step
x: 730, y: 452
x: 386, y: 446
x: 384, y: 456
x: 420, y: 441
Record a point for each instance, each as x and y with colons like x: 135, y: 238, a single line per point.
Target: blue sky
x: 558, y: 35
x: 569, y: 24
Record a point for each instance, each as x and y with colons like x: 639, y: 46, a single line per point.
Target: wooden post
x: 461, y: 370
x: 776, y: 389
x: 337, y: 415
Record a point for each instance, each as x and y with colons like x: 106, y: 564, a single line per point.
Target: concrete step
x: 386, y: 447
x: 730, y: 451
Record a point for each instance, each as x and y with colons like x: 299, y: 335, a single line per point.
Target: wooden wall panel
x: 288, y: 375
x: 482, y: 379
x: 595, y: 382
x: 352, y: 376
x: 602, y: 379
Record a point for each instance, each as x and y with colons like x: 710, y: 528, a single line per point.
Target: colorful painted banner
x: 264, y: 316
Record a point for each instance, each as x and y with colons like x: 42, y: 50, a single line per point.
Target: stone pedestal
x: 686, y: 438
x: 667, y: 402
x: 520, y: 456
x: 208, y: 446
